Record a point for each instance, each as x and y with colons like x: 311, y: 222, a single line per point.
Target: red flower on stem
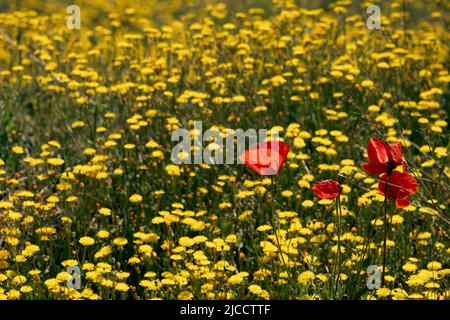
x: 383, y: 157
x: 330, y: 189
x: 401, y: 186
x: 327, y: 189
x: 266, y: 158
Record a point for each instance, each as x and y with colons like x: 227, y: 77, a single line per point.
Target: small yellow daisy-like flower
x: 255, y: 289
x: 103, y: 234
x: 71, y: 199
x: 409, y: 267
x: 19, y: 280
x: 102, y: 175
x: 185, y: 295
x: 150, y: 274
x: 70, y: 262
x: 287, y: 193
x: 383, y: 292
x: 305, y: 277
x: 434, y: 265
x: 207, y: 287
x: 237, y: 278
x: 26, y: 289
x: 13, y: 294
x: 134, y: 260
x: 20, y: 258
x: 89, y: 151
x: 322, y: 277
x: 120, y: 241
x: 86, y: 241
x: 18, y: 150
x: 34, y: 272
x: 149, y: 284
x: 78, y: 124
x: 307, y: 204
x: 53, y: 199
x: 55, y: 161
x: 264, y: 227
x: 173, y: 170
x: 104, y: 211
x: 121, y: 286
x: 135, y: 198
x: 122, y: 275
x: 118, y: 171
x: 415, y: 296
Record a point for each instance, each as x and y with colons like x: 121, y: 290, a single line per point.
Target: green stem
x: 277, y: 226
x: 338, y: 253
x: 84, y: 256
x: 385, y: 223
x: 275, y: 219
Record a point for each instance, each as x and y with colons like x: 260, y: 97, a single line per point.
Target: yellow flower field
x: 92, y: 205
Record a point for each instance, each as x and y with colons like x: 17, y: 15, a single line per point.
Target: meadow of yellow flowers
x: 86, y: 177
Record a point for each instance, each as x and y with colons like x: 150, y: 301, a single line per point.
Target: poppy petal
x: 402, y: 203
x: 377, y: 151
x: 266, y: 158
x: 404, y: 181
x: 327, y: 189
x: 401, y: 186
x: 395, y: 153
x: 374, y: 168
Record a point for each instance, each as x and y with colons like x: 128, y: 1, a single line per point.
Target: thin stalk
x: 275, y: 221
x: 277, y: 226
x: 385, y: 223
x: 338, y: 253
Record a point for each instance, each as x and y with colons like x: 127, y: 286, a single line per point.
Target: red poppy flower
x: 401, y: 186
x: 383, y: 157
x: 266, y: 158
x: 327, y: 189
